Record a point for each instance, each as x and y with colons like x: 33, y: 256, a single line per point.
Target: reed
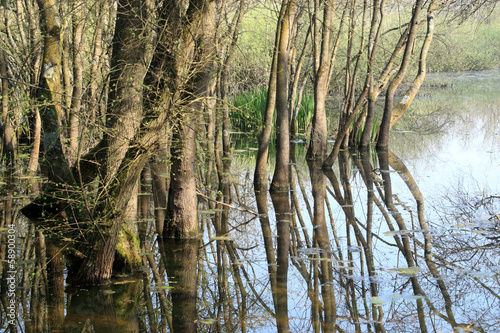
x: 248, y: 111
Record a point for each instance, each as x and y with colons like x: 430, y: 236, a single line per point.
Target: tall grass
x: 305, y: 113
x: 249, y: 109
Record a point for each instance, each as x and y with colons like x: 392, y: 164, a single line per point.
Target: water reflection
x: 339, y: 252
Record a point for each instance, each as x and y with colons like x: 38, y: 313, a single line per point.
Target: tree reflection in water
x: 349, y: 251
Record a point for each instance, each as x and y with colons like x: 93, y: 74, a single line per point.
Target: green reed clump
x: 249, y: 109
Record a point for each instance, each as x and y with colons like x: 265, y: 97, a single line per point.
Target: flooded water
x: 402, y: 241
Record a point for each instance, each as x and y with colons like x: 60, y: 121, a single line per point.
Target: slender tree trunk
x: 78, y: 10
x: 8, y: 134
x: 317, y: 146
x: 378, y: 6
x: 400, y: 109
x: 260, y: 175
x: 280, y: 178
x: 383, y: 140
x: 160, y: 185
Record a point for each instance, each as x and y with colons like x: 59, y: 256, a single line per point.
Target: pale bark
x: 323, y: 58
x: 401, y: 108
x: 383, y: 140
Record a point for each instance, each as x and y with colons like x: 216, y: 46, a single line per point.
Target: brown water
x: 407, y: 241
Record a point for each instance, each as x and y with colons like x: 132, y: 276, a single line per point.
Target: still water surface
x: 406, y: 241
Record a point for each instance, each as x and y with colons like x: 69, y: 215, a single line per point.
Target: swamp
x: 234, y: 166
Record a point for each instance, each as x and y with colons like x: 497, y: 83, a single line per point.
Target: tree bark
x: 317, y: 146
x: 260, y: 175
x: 383, y: 140
x: 401, y: 108
x: 192, y: 62
x: 121, y: 167
x: 280, y: 178
x: 75, y: 113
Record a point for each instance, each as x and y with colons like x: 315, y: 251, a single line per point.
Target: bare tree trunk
x: 122, y: 165
x: 280, y: 178
x: 48, y: 95
x: 378, y: 6
x: 191, y: 83
x: 400, y: 109
x: 7, y: 129
x: 383, y: 140
x: 78, y: 10
x: 182, y: 217
x: 160, y: 184
x: 260, y: 175
x: 323, y: 57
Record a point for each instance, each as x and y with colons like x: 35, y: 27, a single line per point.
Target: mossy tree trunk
x: 122, y: 164
x: 48, y: 95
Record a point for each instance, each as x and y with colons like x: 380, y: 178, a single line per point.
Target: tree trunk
x: 48, y: 95
x: 383, y: 140
x: 191, y: 84
x: 181, y: 216
x: 317, y: 146
x: 78, y: 8
x: 7, y: 129
x: 260, y: 175
x: 280, y: 178
x: 400, y: 109
x: 122, y: 165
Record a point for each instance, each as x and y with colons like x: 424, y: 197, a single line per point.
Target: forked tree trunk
x: 383, y: 140
x: 121, y: 167
x: 401, y: 108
